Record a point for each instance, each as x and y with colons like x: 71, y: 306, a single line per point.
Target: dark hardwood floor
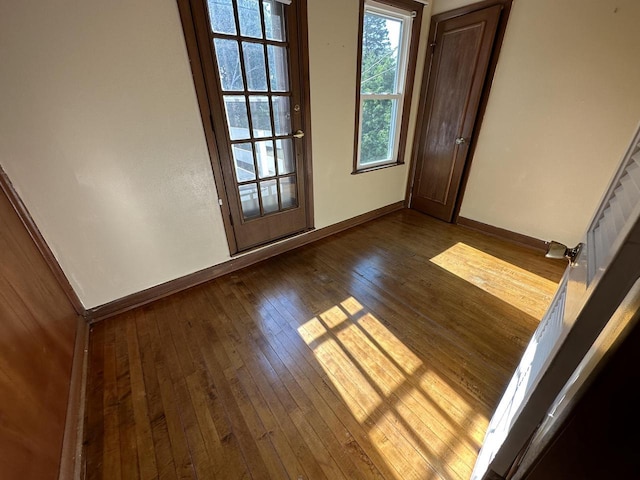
x: 379, y: 352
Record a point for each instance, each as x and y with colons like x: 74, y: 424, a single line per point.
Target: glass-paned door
x: 257, y: 114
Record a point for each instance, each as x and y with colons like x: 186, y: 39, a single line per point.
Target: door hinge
x: 231, y: 219
x: 211, y: 119
x: 220, y: 201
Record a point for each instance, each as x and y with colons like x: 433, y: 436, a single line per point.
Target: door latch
x: 560, y: 250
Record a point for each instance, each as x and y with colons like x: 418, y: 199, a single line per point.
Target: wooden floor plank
x: 257, y: 410
x: 165, y: 367
x: 462, y: 360
x: 144, y: 439
x: 217, y: 429
x: 398, y: 390
x: 179, y: 365
x: 276, y: 396
x: 331, y: 432
x: 389, y: 453
x: 379, y: 352
x: 127, y: 424
x: 148, y: 353
x: 371, y: 320
x: 111, y: 445
x: 94, y: 416
x: 219, y: 369
x: 325, y: 401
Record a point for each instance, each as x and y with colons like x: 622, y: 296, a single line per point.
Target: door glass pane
x: 376, y: 139
x: 281, y: 115
x: 260, y: 116
x: 237, y: 120
x: 379, y: 57
x: 269, y: 192
x: 243, y: 161
x: 274, y: 20
x: 286, y: 160
x: 278, y: 72
x: 229, y: 64
x: 249, y: 15
x: 252, y: 60
x: 255, y: 67
x: 265, y: 159
x: 288, y: 192
x: 249, y: 200
x: 221, y: 16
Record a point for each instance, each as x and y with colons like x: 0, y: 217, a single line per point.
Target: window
x: 388, y: 49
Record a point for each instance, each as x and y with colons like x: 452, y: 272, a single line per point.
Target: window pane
x: 249, y: 200
x: 281, y: 115
x: 229, y: 64
x: 255, y: 67
x: 269, y: 192
x: 381, y: 41
x: 274, y: 20
x: 286, y: 160
x: 236, y: 109
x: 378, y: 131
x: 260, y: 116
x: 249, y: 16
x: 243, y: 160
x: 288, y: 192
x: 221, y: 16
x: 278, y: 72
x: 266, y: 160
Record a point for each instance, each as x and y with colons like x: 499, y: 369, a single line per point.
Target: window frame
x: 410, y: 10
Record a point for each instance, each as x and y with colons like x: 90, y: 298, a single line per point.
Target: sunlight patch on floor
x: 411, y: 415
x: 333, y: 317
x: 440, y: 393
x: 397, y: 351
x: 343, y: 373
x: 351, y: 306
x: 519, y: 288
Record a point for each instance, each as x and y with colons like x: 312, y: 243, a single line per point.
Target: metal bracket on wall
x: 559, y: 250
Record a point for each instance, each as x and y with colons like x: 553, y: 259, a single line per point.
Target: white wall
x: 101, y: 135
x: 563, y: 108
x: 440, y: 6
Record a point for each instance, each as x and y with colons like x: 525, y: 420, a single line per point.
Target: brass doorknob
x: 299, y: 134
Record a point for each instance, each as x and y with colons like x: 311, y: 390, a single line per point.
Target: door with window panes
x: 254, y: 92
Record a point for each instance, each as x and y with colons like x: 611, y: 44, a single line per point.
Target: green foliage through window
x: 381, y: 40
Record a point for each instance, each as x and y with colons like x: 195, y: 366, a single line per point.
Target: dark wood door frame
x: 484, y: 97
x: 197, y: 72
x: 203, y: 67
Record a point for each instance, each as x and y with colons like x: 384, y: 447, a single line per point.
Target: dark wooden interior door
x: 252, y: 67
x: 454, y: 84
